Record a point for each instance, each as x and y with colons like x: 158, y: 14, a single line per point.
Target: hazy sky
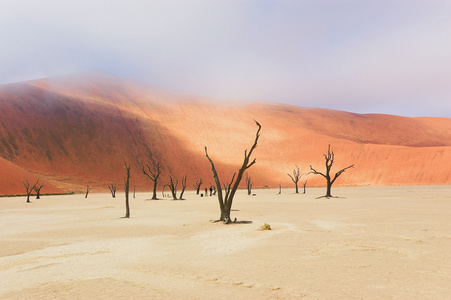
x: 365, y: 56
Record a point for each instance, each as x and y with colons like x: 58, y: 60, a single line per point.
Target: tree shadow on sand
x: 233, y: 222
x: 334, y: 197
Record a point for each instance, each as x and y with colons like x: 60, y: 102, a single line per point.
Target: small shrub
x: 265, y: 226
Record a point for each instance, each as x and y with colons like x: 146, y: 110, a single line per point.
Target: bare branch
x: 313, y: 171
x: 340, y: 172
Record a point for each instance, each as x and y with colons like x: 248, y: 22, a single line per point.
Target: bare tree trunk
x: 295, y: 178
x: 248, y: 184
x: 173, y: 182
x: 38, y: 188
x: 162, y: 192
x: 225, y: 202
x: 280, y: 190
x: 329, y: 162
x: 29, y: 188
x: 152, y: 175
x: 113, y: 190
x: 127, y: 189
x: 134, y: 188
x: 197, y: 185
x: 87, y: 191
x: 183, y: 186
x: 305, y: 184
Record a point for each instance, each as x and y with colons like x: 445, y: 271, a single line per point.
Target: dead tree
x: 295, y: 178
x: 249, y: 184
x: 172, y: 184
x: 280, y: 190
x: 329, y: 162
x: 113, y: 190
x: 127, y: 189
x: 162, y: 192
x: 153, y: 175
x: 197, y: 185
x: 38, y: 188
x: 183, y: 186
x: 29, y: 188
x: 305, y: 184
x: 88, y: 189
x: 225, y: 201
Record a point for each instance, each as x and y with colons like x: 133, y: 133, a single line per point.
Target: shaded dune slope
x: 78, y: 131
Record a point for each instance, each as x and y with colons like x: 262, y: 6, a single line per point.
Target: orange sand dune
x: 11, y: 177
x: 79, y: 130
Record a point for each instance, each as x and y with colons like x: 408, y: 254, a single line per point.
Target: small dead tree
x: 153, y: 176
x: 183, y: 186
x: 280, y: 190
x: 29, y: 188
x: 249, y: 184
x: 38, y: 188
x: 305, y: 184
x: 113, y: 190
x: 197, y: 185
x: 172, y: 184
x: 295, y: 177
x: 162, y: 192
x: 88, y: 189
x: 225, y: 201
x: 329, y: 162
x: 127, y: 189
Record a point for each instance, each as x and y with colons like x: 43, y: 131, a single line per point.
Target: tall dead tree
x: 88, y: 189
x: 329, y: 158
x: 183, y: 186
x: 295, y: 177
x: 197, y: 185
x: 113, y: 190
x: 38, y: 188
x: 172, y: 184
x: 225, y: 201
x: 127, y: 189
x: 29, y: 188
x: 249, y: 184
x: 153, y: 176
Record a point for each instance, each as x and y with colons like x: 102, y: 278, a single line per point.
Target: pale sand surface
x: 372, y: 243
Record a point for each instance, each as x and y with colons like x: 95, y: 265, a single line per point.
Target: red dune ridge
x: 79, y: 130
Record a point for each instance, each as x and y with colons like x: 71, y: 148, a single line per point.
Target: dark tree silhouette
x: 295, y: 178
x: 183, y: 186
x: 172, y: 184
x: 153, y: 175
x: 29, y: 188
x: 197, y: 185
x: 249, y: 184
x: 225, y: 201
x: 88, y: 189
x: 127, y: 189
x: 38, y: 188
x: 280, y: 190
x: 113, y: 190
x: 329, y: 162
x: 305, y: 184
